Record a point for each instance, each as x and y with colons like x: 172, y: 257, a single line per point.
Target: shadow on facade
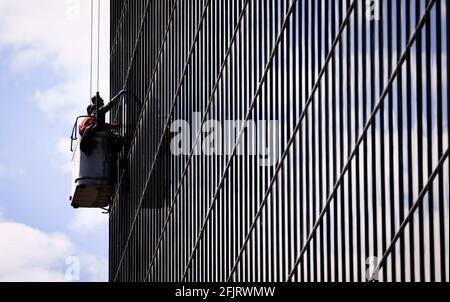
x: 157, y: 195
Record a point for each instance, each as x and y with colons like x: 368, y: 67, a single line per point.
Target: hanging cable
x: 97, y: 96
x: 91, y: 70
x: 98, y: 48
x: 91, y: 46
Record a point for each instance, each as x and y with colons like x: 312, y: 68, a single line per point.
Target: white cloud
x: 28, y: 254
x: 55, y: 34
x: 87, y: 220
x: 65, y: 99
x: 95, y: 267
x: 31, y: 255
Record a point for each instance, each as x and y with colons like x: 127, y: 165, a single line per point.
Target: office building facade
x: 350, y: 183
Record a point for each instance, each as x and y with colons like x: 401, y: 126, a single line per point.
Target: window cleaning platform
x: 93, y: 176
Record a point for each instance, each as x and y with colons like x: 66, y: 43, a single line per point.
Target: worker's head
x: 90, y: 109
x: 94, y: 101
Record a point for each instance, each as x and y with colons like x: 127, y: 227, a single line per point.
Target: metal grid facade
x: 362, y: 176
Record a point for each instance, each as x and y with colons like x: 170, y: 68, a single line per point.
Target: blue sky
x: 44, y: 83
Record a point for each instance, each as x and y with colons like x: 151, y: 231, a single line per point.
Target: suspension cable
x: 98, y: 47
x: 91, y: 49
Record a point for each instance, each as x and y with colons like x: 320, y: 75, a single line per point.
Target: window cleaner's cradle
x: 93, y: 176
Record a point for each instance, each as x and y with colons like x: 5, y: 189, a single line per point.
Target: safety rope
x: 91, y: 69
x: 91, y: 46
x: 98, y: 47
x: 92, y: 51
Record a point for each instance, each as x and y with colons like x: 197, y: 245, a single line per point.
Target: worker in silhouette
x: 89, y: 121
x: 96, y: 120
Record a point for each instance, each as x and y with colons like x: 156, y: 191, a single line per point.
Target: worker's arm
x: 117, y: 97
x: 113, y: 101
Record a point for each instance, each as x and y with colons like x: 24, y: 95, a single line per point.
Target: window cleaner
x: 94, y: 159
x: 95, y: 121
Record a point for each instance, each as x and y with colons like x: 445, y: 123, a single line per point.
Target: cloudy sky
x: 44, y: 84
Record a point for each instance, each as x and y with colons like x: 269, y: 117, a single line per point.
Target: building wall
x: 361, y: 104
